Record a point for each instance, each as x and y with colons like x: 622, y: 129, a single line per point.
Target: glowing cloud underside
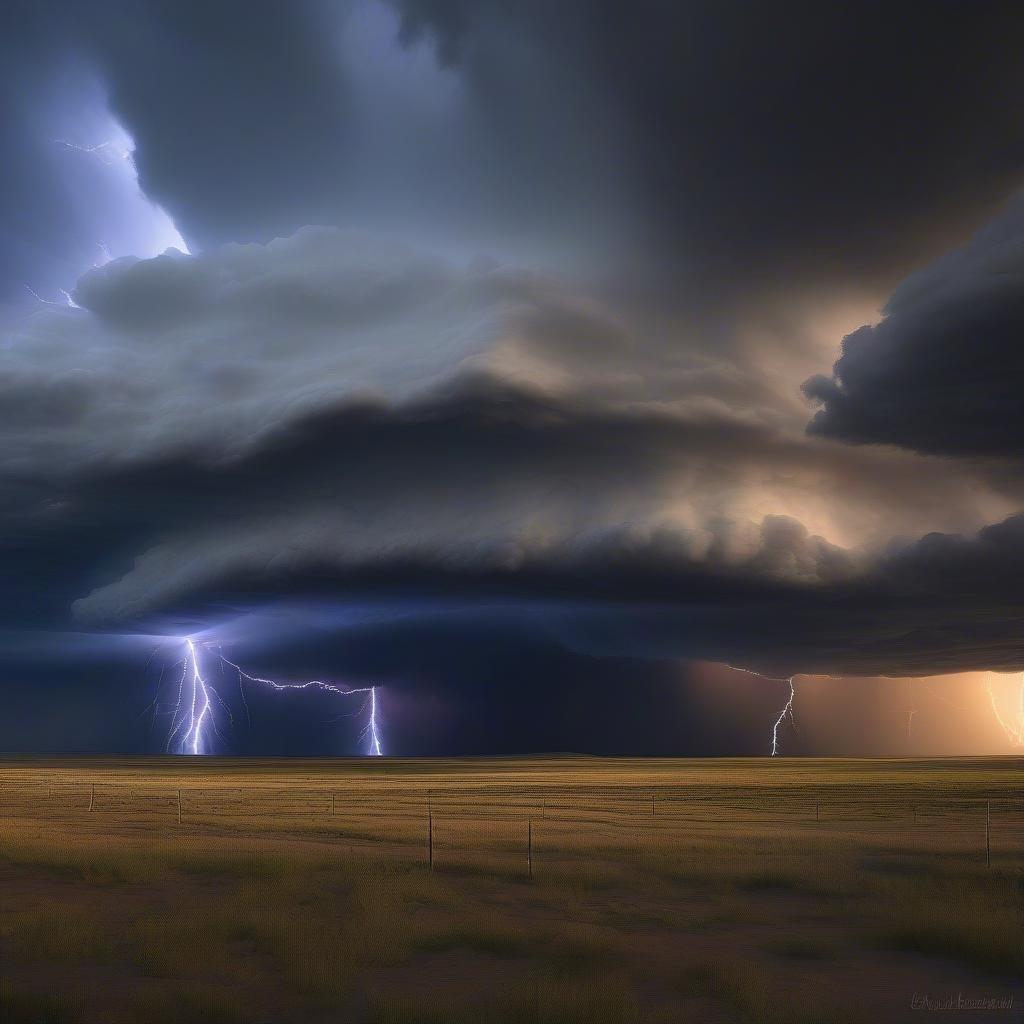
x: 198, y: 712
x: 1010, y: 721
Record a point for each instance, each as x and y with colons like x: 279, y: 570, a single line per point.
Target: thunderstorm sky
x: 563, y: 376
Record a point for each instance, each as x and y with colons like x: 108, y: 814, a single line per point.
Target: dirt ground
x: 540, y: 890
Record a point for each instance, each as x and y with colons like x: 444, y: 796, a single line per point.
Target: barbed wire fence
x: 525, y: 827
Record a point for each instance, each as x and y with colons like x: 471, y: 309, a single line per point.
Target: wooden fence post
x: 988, y: 833
x: 179, y: 806
x: 529, y: 845
x: 430, y: 835
x: 92, y: 796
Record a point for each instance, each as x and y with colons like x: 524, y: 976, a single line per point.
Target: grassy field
x: 560, y: 890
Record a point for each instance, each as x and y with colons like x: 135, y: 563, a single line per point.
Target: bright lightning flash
x: 68, y: 300
x: 106, y: 152
x: 1012, y: 723
x: 786, y: 710
x: 200, y: 711
x: 1014, y: 729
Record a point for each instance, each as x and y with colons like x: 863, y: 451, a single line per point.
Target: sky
x: 561, y: 377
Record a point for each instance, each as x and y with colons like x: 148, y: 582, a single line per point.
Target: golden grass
x: 977, y: 919
x: 756, y: 995
x: 302, y: 890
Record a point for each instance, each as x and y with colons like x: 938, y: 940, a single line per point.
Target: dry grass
x: 977, y: 919
x: 547, y: 1001
x: 801, y: 948
x: 756, y: 995
x: 266, y: 907
x: 18, y: 1007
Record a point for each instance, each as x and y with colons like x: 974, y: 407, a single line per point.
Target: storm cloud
x: 940, y: 372
x: 429, y: 316
x: 332, y: 416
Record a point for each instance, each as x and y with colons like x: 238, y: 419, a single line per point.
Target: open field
x: 561, y: 890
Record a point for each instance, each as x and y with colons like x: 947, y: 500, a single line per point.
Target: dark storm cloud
x: 727, y: 146
x: 239, y: 110
x: 43, y: 243
x: 946, y: 603
x: 455, y: 685
x: 792, y: 603
x: 763, y: 140
x: 941, y: 371
x: 326, y: 415
x: 331, y: 416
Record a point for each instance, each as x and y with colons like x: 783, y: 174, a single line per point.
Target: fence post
x: 529, y: 845
x: 988, y: 833
x: 332, y: 803
x: 179, y: 806
x: 430, y: 835
x: 92, y: 796
x: 652, y: 805
x: 817, y: 812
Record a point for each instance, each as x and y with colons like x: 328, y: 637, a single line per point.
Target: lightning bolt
x: 105, y: 257
x: 374, y: 735
x: 103, y: 151
x: 68, y: 300
x: 117, y: 153
x: 912, y: 710
x: 945, y: 700
x: 1014, y: 730
x: 199, y: 709
x: 787, y: 709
